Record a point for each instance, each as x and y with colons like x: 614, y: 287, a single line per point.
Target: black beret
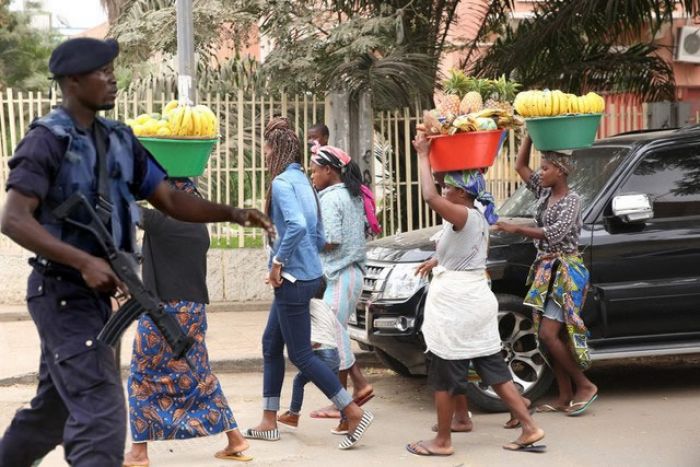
x: 82, y: 55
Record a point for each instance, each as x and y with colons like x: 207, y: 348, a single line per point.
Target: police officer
x: 79, y: 400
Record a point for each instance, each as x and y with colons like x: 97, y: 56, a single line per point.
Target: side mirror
x: 632, y: 208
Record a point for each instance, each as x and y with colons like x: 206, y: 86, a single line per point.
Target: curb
x: 244, y: 365
x: 216, y: 307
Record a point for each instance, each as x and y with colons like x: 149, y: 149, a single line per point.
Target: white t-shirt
x: 324, y: 324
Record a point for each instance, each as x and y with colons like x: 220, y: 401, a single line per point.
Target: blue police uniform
x: 79, y: 401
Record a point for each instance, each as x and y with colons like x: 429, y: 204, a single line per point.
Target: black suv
x: 640, y: 241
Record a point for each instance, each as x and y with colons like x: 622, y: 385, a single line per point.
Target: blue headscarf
x: 472, y: 181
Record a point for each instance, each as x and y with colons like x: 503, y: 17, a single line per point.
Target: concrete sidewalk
x: 233, y: 340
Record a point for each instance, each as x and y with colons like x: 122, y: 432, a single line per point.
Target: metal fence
x: 236, y: 172
x: 236, y: 175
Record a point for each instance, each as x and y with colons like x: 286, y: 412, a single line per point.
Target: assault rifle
x: 124, y: 266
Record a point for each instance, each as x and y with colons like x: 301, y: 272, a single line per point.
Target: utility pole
x: 186, y: 67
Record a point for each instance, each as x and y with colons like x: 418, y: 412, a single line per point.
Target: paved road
x: 647, y: 415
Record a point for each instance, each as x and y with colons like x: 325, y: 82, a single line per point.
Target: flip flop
x: 526, y: 447
x: 233, y: 456
x: 360, y: 401
x: 531, y: 447
x: 577, y: 408
x: 351, y: 439
x: 325, y: 414
x: 549, y: 408
x: 426, y: 451
x: 267, y: 435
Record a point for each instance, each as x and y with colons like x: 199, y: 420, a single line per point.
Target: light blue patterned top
x: 344, y: 224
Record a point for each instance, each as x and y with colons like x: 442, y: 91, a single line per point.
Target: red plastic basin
x: 468, y: 150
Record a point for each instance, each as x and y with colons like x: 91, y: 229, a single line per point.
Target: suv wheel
x: 531, y: 374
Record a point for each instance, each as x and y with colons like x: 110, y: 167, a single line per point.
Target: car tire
x: 531, y: 374
x: 393, y: 364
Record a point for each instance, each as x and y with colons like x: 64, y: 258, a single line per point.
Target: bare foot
x: 265, y: 426
x: 458, y: 426
x: 132, y: 459
x: 431, y: 448
x: 238, y: 447
x: 359, y: 394
x: 327, y: 412
x: 584, y: 393
x: 530, y: 436
x: 513, y: 422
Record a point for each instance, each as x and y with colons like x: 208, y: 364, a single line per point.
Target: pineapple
x: 456, y: 83
x: 502, y: 95
x: 472, y: 102
x: 447, y: 104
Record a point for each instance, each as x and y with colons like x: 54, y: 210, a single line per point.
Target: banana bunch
x: 552, y: 103
x: 177, y: 120
x: 193, y: 121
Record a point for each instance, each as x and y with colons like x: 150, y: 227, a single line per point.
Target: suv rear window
x: 593, y: 168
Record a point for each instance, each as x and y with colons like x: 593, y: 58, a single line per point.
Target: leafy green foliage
x: 585, y: 45
x: 387, y: 48
x: 24, y: 52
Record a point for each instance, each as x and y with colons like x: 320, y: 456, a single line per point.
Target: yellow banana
x: 555, y: 103
x: 175, y: 119
x: 532, y: 105
x: 547, y: 103
x: 196, y: 122
x: 169, y: 107
x: 186, y: 122
x: 518, y: 104
x: 582, y: 105
x: 573, y: 104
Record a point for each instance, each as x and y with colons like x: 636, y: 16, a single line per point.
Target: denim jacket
x: 295, y: 214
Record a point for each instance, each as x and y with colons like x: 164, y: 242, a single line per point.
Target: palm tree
x: 113, y: 9
x: 581, y: 45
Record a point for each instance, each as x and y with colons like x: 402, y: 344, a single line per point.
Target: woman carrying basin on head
x: 460, y: 324
x: 558, y: 278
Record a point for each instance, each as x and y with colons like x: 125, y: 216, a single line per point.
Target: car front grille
x: 374, y: 280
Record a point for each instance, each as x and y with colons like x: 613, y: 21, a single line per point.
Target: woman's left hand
x: 422, y: 144
x: 274, y: 277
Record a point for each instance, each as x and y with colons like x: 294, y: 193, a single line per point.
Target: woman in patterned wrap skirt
x: 168, y: 399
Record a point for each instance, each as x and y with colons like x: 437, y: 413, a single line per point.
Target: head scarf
x: 339, y: 160
x: 472, y: 181
x: 564, y: 162
x: 331, y: 156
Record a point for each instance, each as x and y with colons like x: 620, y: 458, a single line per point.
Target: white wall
x: 235, y: 275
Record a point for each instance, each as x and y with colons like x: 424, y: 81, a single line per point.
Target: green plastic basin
x: 180, y: 157
x: 563, y: 131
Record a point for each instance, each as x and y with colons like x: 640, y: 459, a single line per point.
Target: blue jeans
x: 289, y: 324
x: 331, y: 359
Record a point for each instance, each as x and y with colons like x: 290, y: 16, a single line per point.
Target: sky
x: 77, y: 14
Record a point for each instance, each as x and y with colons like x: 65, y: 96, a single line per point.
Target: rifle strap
x: 104, y: 204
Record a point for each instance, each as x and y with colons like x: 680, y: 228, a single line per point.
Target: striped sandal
x: 267, y: 435
x: 351, y: 439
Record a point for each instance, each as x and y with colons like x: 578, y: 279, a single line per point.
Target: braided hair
x: 286, y: 149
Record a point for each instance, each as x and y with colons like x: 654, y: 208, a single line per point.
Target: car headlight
x: 402, y: 282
